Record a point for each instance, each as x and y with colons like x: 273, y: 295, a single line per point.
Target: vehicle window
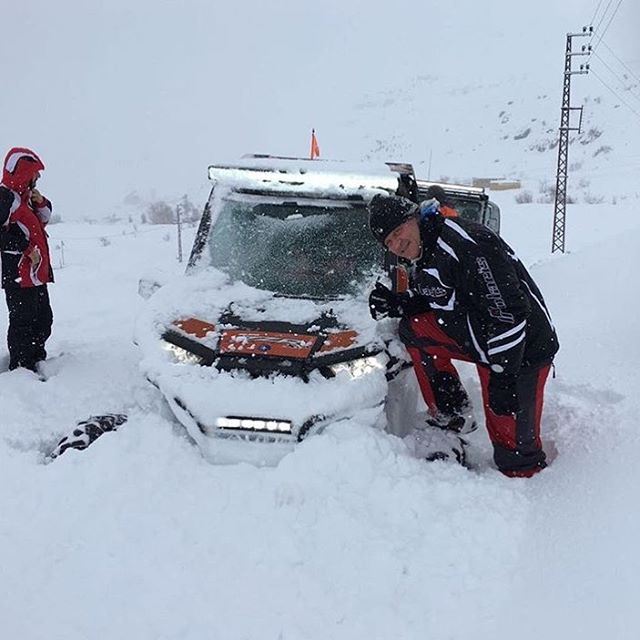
x: 294, y: 248
x: 493, y: 217
x: 468, y: 210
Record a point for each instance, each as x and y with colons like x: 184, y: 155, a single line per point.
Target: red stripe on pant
x: 516, y: 439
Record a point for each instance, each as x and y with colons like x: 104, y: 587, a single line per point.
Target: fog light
x: 254, y: 424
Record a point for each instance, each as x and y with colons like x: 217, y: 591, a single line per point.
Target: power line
x: 595, y: 13
x: 619, y: 78
x: 616, y: 94
x: 612, y: 52
x: 613, y: 15
x: 602, y: 16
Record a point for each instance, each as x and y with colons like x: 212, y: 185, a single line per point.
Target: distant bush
x: 523, y: 134
x: 544, y: 144
x: 590, y: 135
x: 160, y: 213
x: 547, y: 192
x: 603, y: 149
x: 189, y: 213
x: 590, y: 198
x: 524, y: 197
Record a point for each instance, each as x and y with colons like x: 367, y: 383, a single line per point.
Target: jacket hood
x: 20, y: 167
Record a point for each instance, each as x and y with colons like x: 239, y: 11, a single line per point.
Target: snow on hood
x: 208, y: 293
x: 210, y: 393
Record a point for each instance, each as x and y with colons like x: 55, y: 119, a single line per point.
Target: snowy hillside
x: 505, y: 128
x: 349, y: 537
x: 141, y: 97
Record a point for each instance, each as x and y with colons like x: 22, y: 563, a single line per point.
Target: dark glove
x: 383, y: 303
x: 503, y: 393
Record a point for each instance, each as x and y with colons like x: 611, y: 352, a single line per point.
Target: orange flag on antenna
x: 315, y: 147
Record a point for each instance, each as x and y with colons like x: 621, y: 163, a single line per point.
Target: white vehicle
x: 267, y: 338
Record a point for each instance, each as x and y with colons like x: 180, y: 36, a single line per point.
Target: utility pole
x: 560, y: 208
x: 179, y: 223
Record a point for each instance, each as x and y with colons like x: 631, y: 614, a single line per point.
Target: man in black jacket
x: 469, y: 298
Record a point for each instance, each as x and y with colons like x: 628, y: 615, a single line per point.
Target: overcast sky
x: 126, y: 95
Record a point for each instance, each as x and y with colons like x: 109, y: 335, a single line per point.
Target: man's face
x: 404, y: 241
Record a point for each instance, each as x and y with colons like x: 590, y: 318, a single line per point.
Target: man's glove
x: 503, y: 393
x: 383, y: 303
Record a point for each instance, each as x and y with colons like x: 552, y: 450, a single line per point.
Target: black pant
x: 515, y: 438
x: 30, y: 320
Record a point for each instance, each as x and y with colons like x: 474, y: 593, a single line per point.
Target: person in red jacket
x: 26, y: 265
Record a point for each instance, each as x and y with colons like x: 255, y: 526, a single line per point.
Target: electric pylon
x: 560, y: 208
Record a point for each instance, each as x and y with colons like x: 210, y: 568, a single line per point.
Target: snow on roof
x: 304, y: 165
x: 308, y: 176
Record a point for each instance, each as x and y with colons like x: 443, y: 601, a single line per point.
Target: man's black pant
x: 515, y: 437
x: 30, y: 320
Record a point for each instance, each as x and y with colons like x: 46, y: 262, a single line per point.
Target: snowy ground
x: 349, y: 537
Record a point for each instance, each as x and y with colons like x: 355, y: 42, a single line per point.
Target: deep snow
x: 349, y: 537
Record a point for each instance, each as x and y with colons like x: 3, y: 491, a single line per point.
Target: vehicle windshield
x: 306, y: 247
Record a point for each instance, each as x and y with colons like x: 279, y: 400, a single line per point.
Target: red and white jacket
x: 23, y: 240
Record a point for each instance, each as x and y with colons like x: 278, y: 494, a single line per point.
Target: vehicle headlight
x: 357, y: 368
x: 181, y: 355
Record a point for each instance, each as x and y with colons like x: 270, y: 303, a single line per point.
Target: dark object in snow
x: 462, y: 423
x: 433, y: 442
x: 454, y: 450
x: 88, y: 431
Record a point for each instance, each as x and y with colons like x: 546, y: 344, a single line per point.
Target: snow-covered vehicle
x: 267, y: 338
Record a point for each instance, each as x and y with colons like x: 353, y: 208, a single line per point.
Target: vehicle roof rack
x: 262, y: 173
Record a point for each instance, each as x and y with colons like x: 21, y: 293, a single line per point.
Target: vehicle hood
x: 264, y: 354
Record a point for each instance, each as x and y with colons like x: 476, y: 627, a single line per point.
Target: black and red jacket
x: 481, y: 294
x: 24, y: 248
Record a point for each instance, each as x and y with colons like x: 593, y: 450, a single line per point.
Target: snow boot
x: 459, y: 423
x: 434, y: 443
